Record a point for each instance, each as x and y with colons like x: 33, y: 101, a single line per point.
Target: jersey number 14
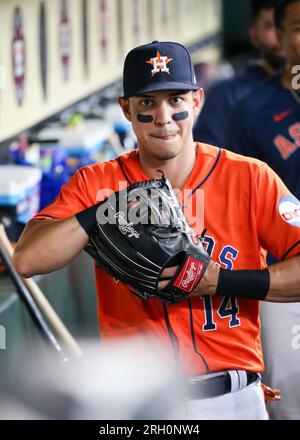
x: 228, y: 307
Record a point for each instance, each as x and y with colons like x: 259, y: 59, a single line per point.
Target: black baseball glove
x: 141, y: 231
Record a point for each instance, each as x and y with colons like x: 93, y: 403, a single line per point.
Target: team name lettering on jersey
x: 228, y: 307
x: 285, y: 147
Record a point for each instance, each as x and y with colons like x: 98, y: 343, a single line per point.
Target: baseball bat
x: 32, y: 308
x: 43, y: 304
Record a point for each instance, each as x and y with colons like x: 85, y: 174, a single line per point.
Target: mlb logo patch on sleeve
x: 289, y: 209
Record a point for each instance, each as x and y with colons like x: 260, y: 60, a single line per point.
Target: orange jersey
x: 247, y: 211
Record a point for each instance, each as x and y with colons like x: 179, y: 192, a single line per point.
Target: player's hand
x: 207, y: 286
x: 271, y: 394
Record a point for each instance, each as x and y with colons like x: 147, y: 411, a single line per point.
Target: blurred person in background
x: 224, y: 96
x: 265, y: 125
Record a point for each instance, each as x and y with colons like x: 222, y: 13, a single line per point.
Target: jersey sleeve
x: 73, y: 197
x: 277, y: 215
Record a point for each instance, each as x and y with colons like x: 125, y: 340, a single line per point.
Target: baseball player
x: 265, y: 125
x: 213, y: 333
x: 224, y: 96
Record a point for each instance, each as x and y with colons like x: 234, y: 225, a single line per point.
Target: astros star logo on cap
x: 159, y: 64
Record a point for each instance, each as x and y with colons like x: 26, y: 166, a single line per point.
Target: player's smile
x: 165, y: 136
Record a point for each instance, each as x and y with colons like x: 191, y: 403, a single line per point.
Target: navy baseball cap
x: 160, y: 65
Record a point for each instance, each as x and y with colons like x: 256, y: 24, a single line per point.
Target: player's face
x: 163, y: 121
x: 290, y: 34
x: 264, y: 37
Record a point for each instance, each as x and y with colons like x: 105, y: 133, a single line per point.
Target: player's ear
x: 125, y: 106
x: 280, y: 37
x: 252, y: 32
x: 198, y: 96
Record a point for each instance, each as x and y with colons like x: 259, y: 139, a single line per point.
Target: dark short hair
x: 258, y: 5
x: 280, y: 9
